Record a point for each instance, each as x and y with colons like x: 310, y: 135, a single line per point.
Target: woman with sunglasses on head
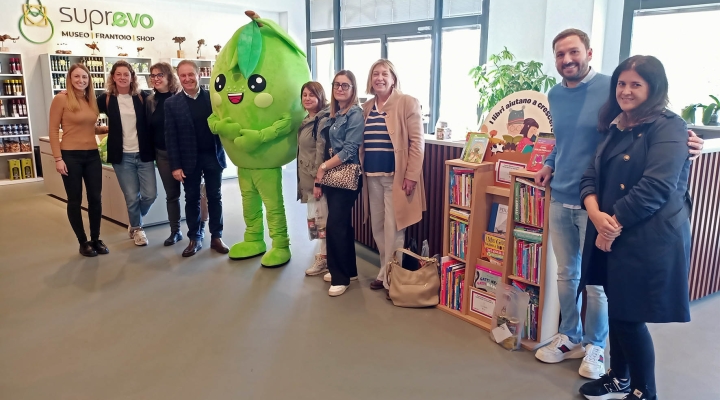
x: 344, y: 130
x: 638, y: 245
x: 77, y: 157
x: 311, y: 150
x: 130, y: 146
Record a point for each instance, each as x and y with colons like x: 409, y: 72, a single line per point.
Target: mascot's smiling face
x: 258, y: 76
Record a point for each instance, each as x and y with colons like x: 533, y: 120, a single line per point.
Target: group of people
x: 384, y: 136
x: 619, y: 224
x: 168, y: 127
x: 632, y: 259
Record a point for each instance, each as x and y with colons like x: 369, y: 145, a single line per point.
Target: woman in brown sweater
x: 77, y: 157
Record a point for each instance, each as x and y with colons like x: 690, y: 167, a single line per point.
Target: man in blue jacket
x: 574, y: 105
x: 194, y: 153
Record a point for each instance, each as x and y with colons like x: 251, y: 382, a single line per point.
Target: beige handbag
x: 419, y: 288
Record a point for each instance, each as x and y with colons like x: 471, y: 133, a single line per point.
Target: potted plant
x: 501, y: 77
x: 179, y: 40
x: 709, y: 115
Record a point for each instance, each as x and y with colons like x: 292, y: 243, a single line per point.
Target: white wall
x: 212, y: 20
x: 527, y: 28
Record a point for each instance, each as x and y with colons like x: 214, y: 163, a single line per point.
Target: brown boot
x: 218, y: 245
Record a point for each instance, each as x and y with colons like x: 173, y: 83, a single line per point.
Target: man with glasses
x: 195, y: 152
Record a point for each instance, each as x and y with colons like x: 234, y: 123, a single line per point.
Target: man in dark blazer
x: 195, y: 152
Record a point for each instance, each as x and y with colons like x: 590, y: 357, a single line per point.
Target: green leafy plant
x: 502, y: 76
x: 710, y: 112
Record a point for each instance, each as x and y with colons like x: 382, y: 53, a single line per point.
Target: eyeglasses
x: 157, y: 76
x: 344, y: 86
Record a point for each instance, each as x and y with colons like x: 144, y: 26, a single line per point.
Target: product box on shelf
x: 15, y: 169
x: 27, y: 168
x: 12, y: 144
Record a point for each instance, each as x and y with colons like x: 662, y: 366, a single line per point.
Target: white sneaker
x: 328, y: 278
x: 318, y: 267
x: 139, y: 237
x: 131, y: 232
x: 337, y: 290
x: 561, y: 348
x: 593, y: 364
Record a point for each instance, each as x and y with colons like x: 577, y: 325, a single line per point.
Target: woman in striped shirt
x: 392, y: 160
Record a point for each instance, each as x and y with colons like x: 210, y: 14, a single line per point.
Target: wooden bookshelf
x: 548, y: 303
x: 484, y: 194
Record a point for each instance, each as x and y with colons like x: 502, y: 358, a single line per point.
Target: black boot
x: 87, y: 250
x: 100, y: 247
x: 174, y: 238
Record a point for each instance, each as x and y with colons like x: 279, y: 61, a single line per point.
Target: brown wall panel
x: 705, y: 221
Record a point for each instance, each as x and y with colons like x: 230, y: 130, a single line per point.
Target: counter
x: 704, y: 188
x: 113, y: 200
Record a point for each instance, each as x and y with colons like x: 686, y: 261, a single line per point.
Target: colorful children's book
x: 475, y: 148
x: 543, y: 147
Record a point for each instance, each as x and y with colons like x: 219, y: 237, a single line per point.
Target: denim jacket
x: 346, y: 134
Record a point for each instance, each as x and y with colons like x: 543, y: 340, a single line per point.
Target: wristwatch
x: 323, y: 167
x: 317, y: 184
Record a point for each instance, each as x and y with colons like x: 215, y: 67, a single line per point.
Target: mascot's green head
x: 256, y: 81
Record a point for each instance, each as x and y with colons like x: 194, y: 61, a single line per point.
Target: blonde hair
x: 387, y: 64
x: 73, y: 104
x: 112, y: 88
x: 166, y: 69
x: 334, y: 104
x: 317, y: 90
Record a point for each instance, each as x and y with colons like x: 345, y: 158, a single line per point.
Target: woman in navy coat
x: 638, y: 245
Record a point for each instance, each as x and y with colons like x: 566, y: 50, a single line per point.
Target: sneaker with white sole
x: 638, y: 395
x: 561, y: 348
x: 328, y: 278
x: 593, y: 364
x: 337, y: 290
x: 139, y: 237
x: 607, y: 387
x: 131, y: 232
x: 318, y: 267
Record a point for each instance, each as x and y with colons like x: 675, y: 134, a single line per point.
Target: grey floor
x: 144, y: 323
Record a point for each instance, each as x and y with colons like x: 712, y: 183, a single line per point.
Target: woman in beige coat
x: 392, y: 157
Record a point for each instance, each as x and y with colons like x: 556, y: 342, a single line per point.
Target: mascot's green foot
x: 243, y: 250
x: 276, y: 257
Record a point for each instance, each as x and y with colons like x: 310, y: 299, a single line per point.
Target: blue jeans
x: 567, y: 232
x: 137, y: 182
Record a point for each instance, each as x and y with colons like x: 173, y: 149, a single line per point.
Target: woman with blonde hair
x: 344, y: 131
x: 130, y: 146
x: 77, y: 157
x: 392, y: 159
x: 311, y: 148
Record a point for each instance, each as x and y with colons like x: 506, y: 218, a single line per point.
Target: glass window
x: 321, y: 15
x: 359, y: 56
x: 357, y: 13
x: 323, y: 64
x: 459, y: 8
x: 458, y: 96
x: 412, y: 58
x: 677, y: 48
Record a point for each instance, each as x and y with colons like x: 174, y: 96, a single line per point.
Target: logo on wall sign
x: 35, y: 15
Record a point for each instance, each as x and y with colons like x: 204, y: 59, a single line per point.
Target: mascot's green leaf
x: 283, y: 35
x: 249, y: 47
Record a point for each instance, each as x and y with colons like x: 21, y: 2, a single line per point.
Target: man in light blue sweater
x: 574, y: 105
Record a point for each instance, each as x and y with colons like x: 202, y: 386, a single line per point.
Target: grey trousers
x: 172, y: 192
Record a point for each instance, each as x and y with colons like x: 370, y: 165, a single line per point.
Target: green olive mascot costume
x: 255, y: 93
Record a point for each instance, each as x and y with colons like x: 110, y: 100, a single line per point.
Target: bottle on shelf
x: 23, y: 112
x: 2, y: 110
x: 16, y: 111
x: 18, y: 66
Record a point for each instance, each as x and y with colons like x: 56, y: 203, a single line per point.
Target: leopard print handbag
x: 344, y: 176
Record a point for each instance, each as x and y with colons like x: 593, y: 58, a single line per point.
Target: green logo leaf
x: 249, y: 48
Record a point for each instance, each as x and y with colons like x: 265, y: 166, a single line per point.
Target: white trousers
x: 323, y: 246
x: 382, y: 216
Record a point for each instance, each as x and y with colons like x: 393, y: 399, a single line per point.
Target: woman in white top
x: 130, y: 147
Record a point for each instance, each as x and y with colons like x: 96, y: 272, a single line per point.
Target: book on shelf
x: 529, y: 206
x: 498, y: 218
x: 475, y: 147
x: 452, y: 282
x: 458, y: 237
x: 493, y: 248
x: 528, y: 253
x: 461, y: 183
x: 542, y: 149
x: 533, y: 312
x: 486, y: 279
